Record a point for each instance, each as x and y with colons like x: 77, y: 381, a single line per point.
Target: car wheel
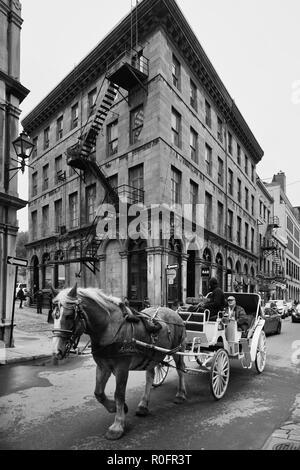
x: 278, y: 331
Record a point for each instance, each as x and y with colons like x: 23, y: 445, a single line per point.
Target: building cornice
x: 263, y: 189
x: 14, y: 87
x: 12, y: 201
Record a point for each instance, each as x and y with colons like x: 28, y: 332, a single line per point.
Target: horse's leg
x: 102, y: 375
x: 116, y: 430
x: 142, y: 409
x: 181, y: 392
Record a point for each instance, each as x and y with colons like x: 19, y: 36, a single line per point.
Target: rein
x: 73, y: 336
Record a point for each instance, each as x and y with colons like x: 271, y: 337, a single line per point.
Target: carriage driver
x: 236, y: 312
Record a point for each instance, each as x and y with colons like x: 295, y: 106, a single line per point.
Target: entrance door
x: 137, y: 273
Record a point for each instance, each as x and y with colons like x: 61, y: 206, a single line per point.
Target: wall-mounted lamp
x: 23, y: 148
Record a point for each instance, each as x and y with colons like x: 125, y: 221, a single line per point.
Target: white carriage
x: 210, y: 344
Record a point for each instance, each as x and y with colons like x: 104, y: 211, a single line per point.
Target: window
x: 58, y: 214
x: 230, y: 225
x: 90, y: 198
x: 220, y: 171
x: 207, y: 114
x: 74, y: 116
x: 220, y: 129
x: 45, y: 177
x: 230, y: 182
x: 220, y: 218
x: 208, y: 211
x: 193, y: 199
x: 58, y: 169
x: 239, y: 230
x: 193, y: 95
x: 229, y: 143
x: 252, y: 205
x: 46, y: 138
x: 252, y: 173
x: 246, y: 164
x: 175, y: 186
x: 194, y: 145
x: 176, y: 72
x: 252, y: 240
x: 246, y: 235
x: 239, y: 154
x: 92, y: 101
x: 59, y: 128
x: 45, y: 221
x: 34, y: 224
x: 136, y: 183
x: 112, y: 138
x: 136, y: 124
x: 208, y: 159
x: 239, y: 191
x: 247, y: 199
x: 176, y: 128
x: 35, y: 143
x: 73, y: 210
x: 34, y: 181
x: 260, y: 208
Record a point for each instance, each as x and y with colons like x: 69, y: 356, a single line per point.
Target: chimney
x: 281, y: 179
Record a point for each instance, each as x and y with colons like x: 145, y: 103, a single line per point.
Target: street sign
x: 17, y: 261
x: 172, y: 266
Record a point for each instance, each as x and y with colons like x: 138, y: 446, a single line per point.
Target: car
x: 296, y: 314
x: 280, y: 305
x: 291, y: 307
x: 273, y: 320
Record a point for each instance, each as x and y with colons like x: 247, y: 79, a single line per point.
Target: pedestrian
x: 39, y: 301
x: 50, y: 317
x: 21, y: 296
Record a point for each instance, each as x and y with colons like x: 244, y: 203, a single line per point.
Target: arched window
x: 219, y: 263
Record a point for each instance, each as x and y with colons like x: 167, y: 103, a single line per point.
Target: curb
x: 22, y: 359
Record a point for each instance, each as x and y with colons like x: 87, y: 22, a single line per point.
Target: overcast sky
x: 254, y: 46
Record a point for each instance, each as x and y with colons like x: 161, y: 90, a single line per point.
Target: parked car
x: 19, y: 286
x: 291, y: 307
x: 280, y: 305
x: 272, y: 321
x: 296, y: 314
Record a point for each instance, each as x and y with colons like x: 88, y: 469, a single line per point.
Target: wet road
x: 47, y: 407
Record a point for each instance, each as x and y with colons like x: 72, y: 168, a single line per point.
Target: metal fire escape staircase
x: 272, y: 247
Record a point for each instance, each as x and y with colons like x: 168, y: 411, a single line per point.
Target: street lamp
x: 23, y: 148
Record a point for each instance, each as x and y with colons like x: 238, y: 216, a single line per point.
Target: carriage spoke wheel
x: 219, y: 374
x: 261, y: 353
x: 161, y: 372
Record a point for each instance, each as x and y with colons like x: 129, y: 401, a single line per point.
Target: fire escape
x: 271, y: 246
x: 129, y: 70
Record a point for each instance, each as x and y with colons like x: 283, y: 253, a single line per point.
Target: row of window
x: 73, y: 213
x: 176, y: 123
x: 264, y: 212
x: 292, y: 270
x: 61, y: 128
x: 292, y: 229
x: 270, y: 268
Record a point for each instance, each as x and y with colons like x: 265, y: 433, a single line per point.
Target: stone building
x: 12, y: 93
x: 289, y: 233
x: 144, y: 118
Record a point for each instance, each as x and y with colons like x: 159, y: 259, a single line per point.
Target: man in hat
x: 237, y: 313
x: 215, y: 301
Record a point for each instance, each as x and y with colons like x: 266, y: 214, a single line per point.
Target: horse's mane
x: 107, y: 302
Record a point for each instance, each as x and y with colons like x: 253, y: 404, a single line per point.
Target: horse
x: 91, y: 311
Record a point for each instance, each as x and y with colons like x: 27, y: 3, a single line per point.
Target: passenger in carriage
x: 236, y: 312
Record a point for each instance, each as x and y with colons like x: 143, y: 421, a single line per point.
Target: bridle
x: 79, y: 326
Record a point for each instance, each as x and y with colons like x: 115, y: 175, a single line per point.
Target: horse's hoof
x: 142, y: 411
x: 179, y: 400
x: 125, y: 408
x: 114, y: 435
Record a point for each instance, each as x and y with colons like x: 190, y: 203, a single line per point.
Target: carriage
x: 211, y: 344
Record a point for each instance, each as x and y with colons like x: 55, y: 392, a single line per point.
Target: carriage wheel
x: 219, y: 374
x: 161, y: 372
x: 261, y: 353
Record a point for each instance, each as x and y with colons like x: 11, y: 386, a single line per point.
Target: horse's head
x: 68, y: 323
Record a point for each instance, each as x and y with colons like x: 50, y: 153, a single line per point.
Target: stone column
x: 184, y: 260
x: 124, y: 273
x: 102, y: 267
x: 198, y: 278
x: 155, y: 275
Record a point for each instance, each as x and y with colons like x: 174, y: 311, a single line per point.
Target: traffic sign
x: 173, y: 266
x: 17, y: 261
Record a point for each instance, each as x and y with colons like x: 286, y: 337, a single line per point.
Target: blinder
x: 72, y: 336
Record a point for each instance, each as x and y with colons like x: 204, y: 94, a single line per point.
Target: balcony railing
x: 128, y: 69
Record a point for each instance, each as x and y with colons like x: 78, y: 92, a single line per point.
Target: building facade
x: 143, y: 119
x: 12, y: 93
x: 289, y: 234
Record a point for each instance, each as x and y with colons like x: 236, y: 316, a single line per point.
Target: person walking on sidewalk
x: 21, y: 296
x: 50, y: 318
x: 39, y: 301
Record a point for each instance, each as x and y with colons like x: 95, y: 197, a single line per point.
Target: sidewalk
x: 32, y: 337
